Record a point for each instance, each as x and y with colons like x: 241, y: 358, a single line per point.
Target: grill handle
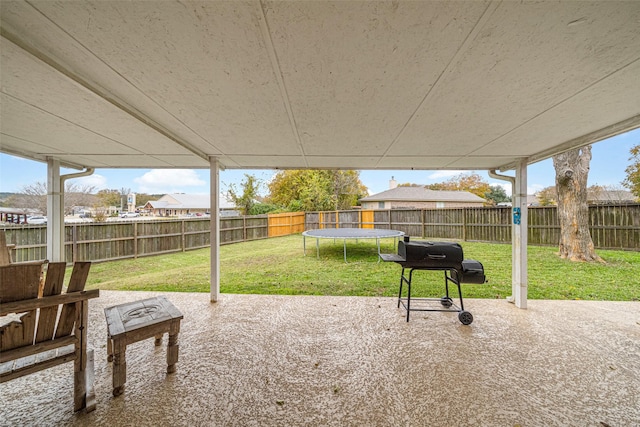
x: 436, y: 256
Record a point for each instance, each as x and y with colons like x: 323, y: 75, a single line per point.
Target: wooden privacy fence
x: 611, y: 226
x: 103, y: 241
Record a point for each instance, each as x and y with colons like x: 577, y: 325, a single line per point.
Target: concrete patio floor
x: 256, y: 360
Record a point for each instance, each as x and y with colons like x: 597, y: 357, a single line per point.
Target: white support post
x: 55, y: 213
x: 520, y: 238
x: 214, y: 167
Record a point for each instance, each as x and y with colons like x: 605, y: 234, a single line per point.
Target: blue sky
x: 608, y: 164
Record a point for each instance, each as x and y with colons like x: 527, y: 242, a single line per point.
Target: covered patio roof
x: 356, y: 85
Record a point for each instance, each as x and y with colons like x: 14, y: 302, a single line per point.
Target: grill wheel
x: 446, y: 302
x: 465, y: 317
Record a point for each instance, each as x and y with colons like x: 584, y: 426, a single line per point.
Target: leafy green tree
x: 632, y: 181
x: 316, y: 190
x: 108, y: 198
x: 264, y: 208
x: 471, y: 182
x: 547, y: 196
x: 245, y: 199
x: 497, y: 194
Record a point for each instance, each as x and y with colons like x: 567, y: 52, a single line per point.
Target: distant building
x: 420, y: 197
x: 186, y: 204
x: 608, y: 197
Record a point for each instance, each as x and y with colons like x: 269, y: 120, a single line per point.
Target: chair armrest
x: 50, y: 301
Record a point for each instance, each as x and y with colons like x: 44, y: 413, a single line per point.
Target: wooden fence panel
x: 367, y: 219
x: 443, y: 223
x: 544, y: 228
x: 312, y: 221
x: 286, y: 223
x: 349, y: 219
x: 615, y: 226
x: 487, y: 225
x: 409, y: 221
x: 382, y: 219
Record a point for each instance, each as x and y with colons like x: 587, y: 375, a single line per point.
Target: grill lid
x: 430, y: 254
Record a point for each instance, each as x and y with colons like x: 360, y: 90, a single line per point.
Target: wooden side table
x: 136, y: 321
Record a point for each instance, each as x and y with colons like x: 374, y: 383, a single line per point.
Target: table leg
x: 119, y: 366
x: 172, y: 346
x: 109, y: 349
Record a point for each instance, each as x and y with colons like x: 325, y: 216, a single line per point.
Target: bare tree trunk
x: 572, y: 170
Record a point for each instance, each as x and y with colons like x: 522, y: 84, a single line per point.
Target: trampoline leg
x: 344, y: 242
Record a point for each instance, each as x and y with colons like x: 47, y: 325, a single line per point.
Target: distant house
x: 178, y: 204
x: 420, y: 197
x: 606, y: 197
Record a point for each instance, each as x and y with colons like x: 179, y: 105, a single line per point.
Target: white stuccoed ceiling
x: 346, y: 84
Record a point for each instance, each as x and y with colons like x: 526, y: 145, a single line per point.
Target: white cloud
x: 534, y: 188
x: 95, y: 180
x: 164, y: 181
x: 444, y: 174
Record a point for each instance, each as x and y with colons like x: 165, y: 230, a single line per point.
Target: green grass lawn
x: 278, y: 266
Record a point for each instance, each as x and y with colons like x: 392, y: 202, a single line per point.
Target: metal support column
x: 55, y: 213
x: 520, y: 241
x: 215, y: 228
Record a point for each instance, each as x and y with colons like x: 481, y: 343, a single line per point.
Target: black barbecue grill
x: 443, y: 256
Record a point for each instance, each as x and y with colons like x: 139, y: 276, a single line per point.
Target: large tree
x: 632, y: 181
x: 471, y: 182
x: 497, y: 194
x: 246, y: 198
x: 316, y: 190
x: 572, y: 171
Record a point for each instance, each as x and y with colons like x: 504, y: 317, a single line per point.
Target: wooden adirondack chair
x: 34, y: 337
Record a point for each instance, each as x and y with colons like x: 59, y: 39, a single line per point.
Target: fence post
x: 183, y: 238
x: 74, y: 243
x: 135, y: 239
x: 464, y: 224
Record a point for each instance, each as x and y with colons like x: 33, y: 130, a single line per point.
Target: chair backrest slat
x: 19, y: 282
x: 48, y: 315
x: 76, y: 283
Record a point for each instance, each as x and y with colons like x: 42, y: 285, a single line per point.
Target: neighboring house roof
x: 613, y: 196
x: 189, y: 201
x: 421, y: 194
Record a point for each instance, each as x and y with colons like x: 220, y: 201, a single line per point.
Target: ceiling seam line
x: 48, y: 113
x: 87, y: 86
x: 128, y: 81
x: 557, y: 104
x: 486, y: 14
x: 275, y: 65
